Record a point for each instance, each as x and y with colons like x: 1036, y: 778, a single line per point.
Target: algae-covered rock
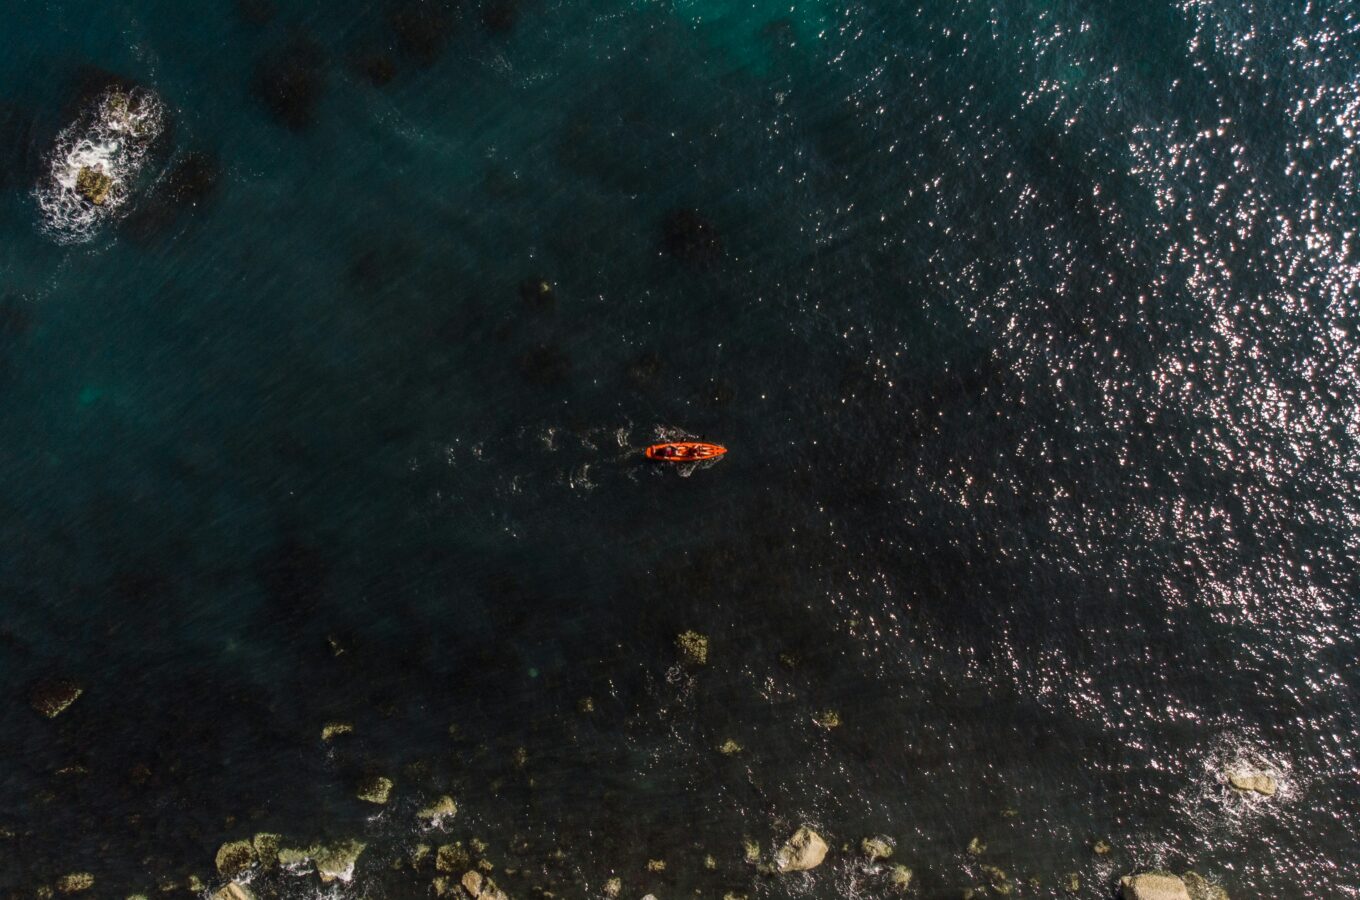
x: 333, y: 863
x: 74, y: 883
x: 656, y: 865
x: 332, y: 730
x: 876, y: 848
x: 481, y: 887
x: 750, y: 850
x: 52, y: 697
x: 693, y: 647
x: 444, y: 886
x: 1072, y: 882
x: 438, y: 812
x: 1249, y: 781
x: 375, y: 789
x: 729, y: 747
x: 828, y: 719
x: 234, y: 891
x: 805, y: 850
x: 976, y: 847
x: 900, y: 877
x: 266, y: 849
x: 613, y: 887
x: 235, y: 857
x: 1101, y: 848
x: 1153, y: 886
x: 336, y: 862
x: 1201, y: 888
x: 93, y: 184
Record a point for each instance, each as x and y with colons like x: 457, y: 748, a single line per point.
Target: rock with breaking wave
x: 1201, y: 888
x: 234, y: 891
x: 94, y: 184
x: 234, y: 857
x: 805, y: 850
x: 1247, y: 781
x: 1153, y: 886
x: 438, y: 812
x: 96, y: 160
x: 332, y: 863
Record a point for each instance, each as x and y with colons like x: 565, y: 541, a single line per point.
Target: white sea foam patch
x: 95, y: 160
x: 1212, y: 803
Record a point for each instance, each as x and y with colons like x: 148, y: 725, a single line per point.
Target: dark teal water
x: 1032, y: 329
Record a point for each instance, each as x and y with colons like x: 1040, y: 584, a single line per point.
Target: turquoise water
x: 1031, y: 331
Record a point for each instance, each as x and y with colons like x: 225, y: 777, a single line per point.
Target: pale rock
x: 1153, y: 886
x: 804, y: 851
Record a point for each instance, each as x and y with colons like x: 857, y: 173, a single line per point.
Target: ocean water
x: 1031, y: 328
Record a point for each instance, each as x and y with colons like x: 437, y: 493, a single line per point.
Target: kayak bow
x: 685, y: 451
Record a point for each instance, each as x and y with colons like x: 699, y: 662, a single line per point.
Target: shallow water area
x: 1031, y: 333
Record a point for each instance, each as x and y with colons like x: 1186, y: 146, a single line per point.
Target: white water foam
x: 113, y: 140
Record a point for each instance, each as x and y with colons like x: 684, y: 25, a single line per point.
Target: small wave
x: 95, y: 160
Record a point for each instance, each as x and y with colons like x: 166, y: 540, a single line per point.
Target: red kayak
x: 685, y: 451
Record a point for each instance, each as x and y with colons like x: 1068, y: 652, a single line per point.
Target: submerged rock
x: 900, y: 877
x: 451, y: 858
x: 93, y: 184
x: 613, y: 887
x: 1248, y: 781
x: 538, y: 293
x: 378, y: 68
x: 422, y: 29
x: 289, y: 83
x: 547, y: 365
x: 805, y: 850
x: 689, y: 237
x: 693, y: 647
x: 376, y: 789
x: 235, y: 857
x: 499, y: 16
x: 74, y: 883
x: 1153, y: 886
x: 54, y: 696
x: 436, y: 813
x: 729, y: 747
x: 189, y: 184
x: 644, y: 369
